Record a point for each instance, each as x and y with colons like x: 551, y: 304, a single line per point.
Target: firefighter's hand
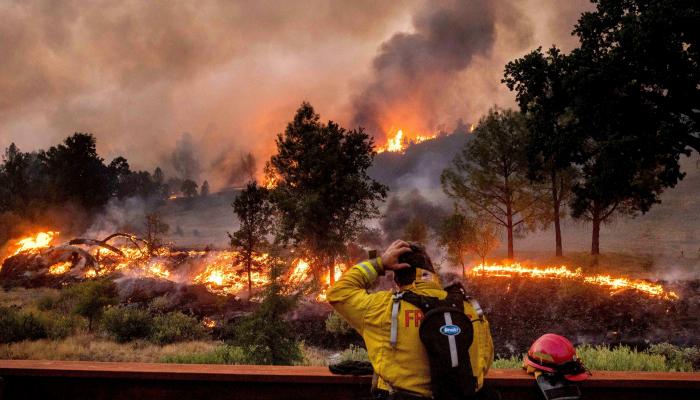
x: 390, y: 258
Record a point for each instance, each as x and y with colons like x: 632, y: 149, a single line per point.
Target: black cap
x: 416, y: 258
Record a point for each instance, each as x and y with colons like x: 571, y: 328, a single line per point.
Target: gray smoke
x: 450, y: 65
x: 412, y: 70
x: 184, y: 159
x: 401, y: 209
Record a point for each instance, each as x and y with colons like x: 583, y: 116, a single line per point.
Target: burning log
x: 28, y: 266
x: 93, y: 242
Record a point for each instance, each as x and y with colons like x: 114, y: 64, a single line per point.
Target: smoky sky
x: 141, y: 74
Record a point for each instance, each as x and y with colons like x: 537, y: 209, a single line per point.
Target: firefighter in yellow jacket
x: 397, y: 354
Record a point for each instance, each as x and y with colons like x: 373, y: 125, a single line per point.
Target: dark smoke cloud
x: 435, y: 75
x: 412, y: 69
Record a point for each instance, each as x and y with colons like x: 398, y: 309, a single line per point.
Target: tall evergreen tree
x: 539, y: 81
x: 323, y: 192
x: 254, y: 212
x: 489, y: 176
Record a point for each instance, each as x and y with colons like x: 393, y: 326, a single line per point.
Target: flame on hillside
x: 614, y: 284
x: 398, y: 141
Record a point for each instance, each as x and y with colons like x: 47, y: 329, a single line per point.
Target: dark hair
x: 416, y: 258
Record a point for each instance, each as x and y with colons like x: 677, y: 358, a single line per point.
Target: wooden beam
x: 29, y: 379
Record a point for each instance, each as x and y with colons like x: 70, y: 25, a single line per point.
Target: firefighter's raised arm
x: 349, y: 296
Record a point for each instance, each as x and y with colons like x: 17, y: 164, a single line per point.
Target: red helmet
x: 555, y: 354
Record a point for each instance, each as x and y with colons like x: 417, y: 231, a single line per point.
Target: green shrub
x: 176, y: 327
x: 126, y: 323
x: 16, y: 325
x: 58, y: 326
x: 354, y: 353
x: 46, y: 302
x: 662, y: 357
x: 89, y: 299
x: 336, y: 324
x: 677, y: 358
x: 265, y: 334
x: 159, y: 304
x: 224, y: 354
x: 621, y: 358
x: 505, y: 363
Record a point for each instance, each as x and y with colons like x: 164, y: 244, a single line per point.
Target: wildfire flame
x: 60, y: 268
x: 270, y: 183
x: 222, y: 272
x: 35, y: 242
x: 397, y: 142
x: 563, y: 272
x: 208, y: 322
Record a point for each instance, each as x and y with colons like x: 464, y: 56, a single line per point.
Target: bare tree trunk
x: 556, y: 200
x: 509, y: 227
x: 249, y: 266
x: 595, y: 240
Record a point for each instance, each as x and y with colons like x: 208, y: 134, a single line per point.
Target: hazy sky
x: 140, y: 74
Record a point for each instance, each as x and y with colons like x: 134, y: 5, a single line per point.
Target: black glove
x: 352, y: 368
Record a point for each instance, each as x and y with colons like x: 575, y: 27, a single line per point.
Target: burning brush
x: 563, y: 272
x: 37, y: 260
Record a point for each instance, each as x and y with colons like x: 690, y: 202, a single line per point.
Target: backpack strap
x: 424, y: 303
x: 394, y: 333
x: 477, y: 307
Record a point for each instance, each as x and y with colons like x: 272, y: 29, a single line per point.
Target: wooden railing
x: 30, y: 379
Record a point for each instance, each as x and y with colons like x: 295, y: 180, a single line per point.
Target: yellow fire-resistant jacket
x: 405, y: 367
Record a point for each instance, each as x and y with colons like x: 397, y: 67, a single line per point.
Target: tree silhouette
x: 489, y: 176
x: 254, y: 212
x: 323, y: 192
x: 539, y: 82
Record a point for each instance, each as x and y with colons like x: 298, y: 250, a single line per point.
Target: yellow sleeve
x: 349, y: 297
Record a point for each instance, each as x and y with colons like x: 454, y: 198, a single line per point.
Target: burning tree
x: 489, y: 176
x: 155, y: 229
x: 254, y: 212
x: 322, y: 192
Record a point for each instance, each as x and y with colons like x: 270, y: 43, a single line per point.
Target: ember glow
x: 60, y: 268
x: 615, y: 285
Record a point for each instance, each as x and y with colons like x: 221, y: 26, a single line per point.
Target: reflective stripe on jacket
x: 405, y: 367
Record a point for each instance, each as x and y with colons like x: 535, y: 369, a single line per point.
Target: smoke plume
x: 449, y: 66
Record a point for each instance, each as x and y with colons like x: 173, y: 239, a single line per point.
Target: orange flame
x: 60, y: 268
x: 208, y: 322
x: 35, y: 242
x: 563, y: 272
x: 397, y: 142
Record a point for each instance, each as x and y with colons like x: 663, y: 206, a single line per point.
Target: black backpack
x: 447, y: 334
